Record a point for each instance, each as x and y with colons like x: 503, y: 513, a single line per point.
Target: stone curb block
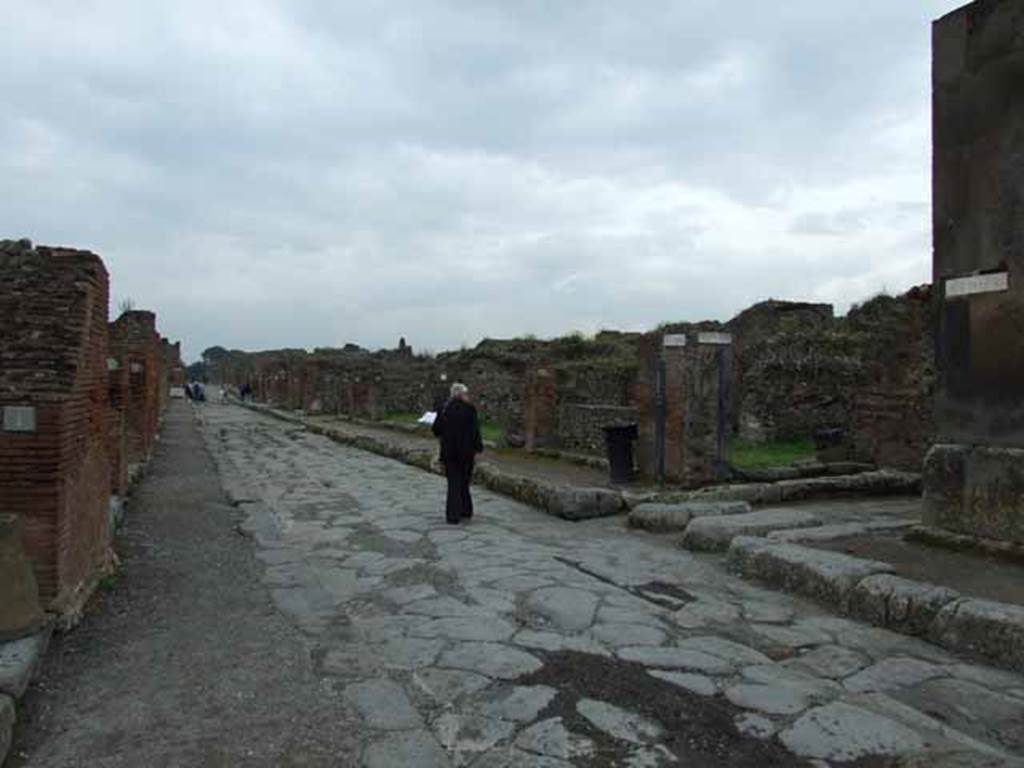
x: 675, y: 517
x: 899, y: 604
x: 19, y: 662
x: 714, y: 534
x: 881, y: 482
x: 994, y: 631
x: 826, y: 576
x: 568, y: 502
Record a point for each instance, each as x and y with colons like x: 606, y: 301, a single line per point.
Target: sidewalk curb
x: 867, y: 590
x: 564, y: 501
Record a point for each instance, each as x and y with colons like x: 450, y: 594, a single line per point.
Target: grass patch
x: 748, y: 455
x: 401, y: 417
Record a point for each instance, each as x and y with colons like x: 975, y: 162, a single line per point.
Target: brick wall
x: 53, y: 357
x: 136, y: 345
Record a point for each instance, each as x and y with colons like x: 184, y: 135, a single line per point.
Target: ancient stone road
x: 523, y: 640
x: 350, y: 626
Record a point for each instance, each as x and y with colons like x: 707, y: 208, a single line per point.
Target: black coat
x: 459, y: 429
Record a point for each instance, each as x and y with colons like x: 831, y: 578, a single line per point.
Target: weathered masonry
x: 54, y: 440
x: 974, y: 475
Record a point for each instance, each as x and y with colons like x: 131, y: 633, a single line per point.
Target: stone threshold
x: 20, y: 661
x: 868, y: 590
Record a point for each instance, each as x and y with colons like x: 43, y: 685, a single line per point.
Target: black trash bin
x: 619, y: 439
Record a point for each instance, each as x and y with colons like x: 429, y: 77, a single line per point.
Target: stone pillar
x: 974, y: 475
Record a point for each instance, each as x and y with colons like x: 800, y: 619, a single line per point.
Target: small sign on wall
x: 19, y: 418
x: 714, y: 337
x: 674, y: 340
x: 966, y: 286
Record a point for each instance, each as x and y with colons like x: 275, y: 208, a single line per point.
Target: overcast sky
x: 268, y: 173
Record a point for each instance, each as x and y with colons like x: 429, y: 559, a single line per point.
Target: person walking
x: 458, y: 428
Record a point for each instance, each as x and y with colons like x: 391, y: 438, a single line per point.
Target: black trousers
x: 459, y: 504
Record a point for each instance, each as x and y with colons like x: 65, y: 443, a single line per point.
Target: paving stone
x: 519, y: 703
x: 820, y: 574
x: 491, y: 659
x: 448, y: 685
x: 383, y: 705
x: 699, y: 684
x: 704, y: 612
x: 970, y: 708
x: 465, y: 736
x: 770, y: 699
x: 569, y: 609
x: 403, y: 595
x: 610, y: 614
x: 552, y: 739
x: 725, y: 649
x: 714, y: 534
x: 467, y: 628
x: 756, y: 726
x: 551, y: 641
x: 417, y: 748
x: 892, y: 673
x: 19, y: 661
x: 840, y: 731
x: 676, y: 658
x: 409, y: 652
x: 815, y: 688
x: 444, y: 606
x: 618, y: 723
x: 793, y: 637
x: 512, y: 757
x: 832, y: 661
x: 767, y: 613
x: 620, y: 635
x: 986, y: 676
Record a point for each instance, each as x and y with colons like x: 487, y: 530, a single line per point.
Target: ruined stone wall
x: 580, y: 426
x: 55, y: 473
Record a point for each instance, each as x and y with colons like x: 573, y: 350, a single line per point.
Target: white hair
x: 459, y: 389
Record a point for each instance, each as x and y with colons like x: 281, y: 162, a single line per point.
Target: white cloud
x: 308, y: 173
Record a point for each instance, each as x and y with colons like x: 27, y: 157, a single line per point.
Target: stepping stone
x: 383, y: 705
x: 843, y: 732
x: 492, y: 660
x: 714, y: 534
x: 675, y: 517
x: 569, y: 609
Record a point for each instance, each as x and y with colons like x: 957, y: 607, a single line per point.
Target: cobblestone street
x: 520, y: 639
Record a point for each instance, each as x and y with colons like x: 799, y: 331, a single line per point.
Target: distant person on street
x: 459, y: 431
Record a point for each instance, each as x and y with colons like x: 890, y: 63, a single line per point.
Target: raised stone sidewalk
x: 19, y: 663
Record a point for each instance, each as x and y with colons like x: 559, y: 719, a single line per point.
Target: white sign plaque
x: 714, y: 337
x: 674, y: 340
x: 19, y: 418
x: 965, y: 286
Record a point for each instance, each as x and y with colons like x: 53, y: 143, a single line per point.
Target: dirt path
x: 186, y: 662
